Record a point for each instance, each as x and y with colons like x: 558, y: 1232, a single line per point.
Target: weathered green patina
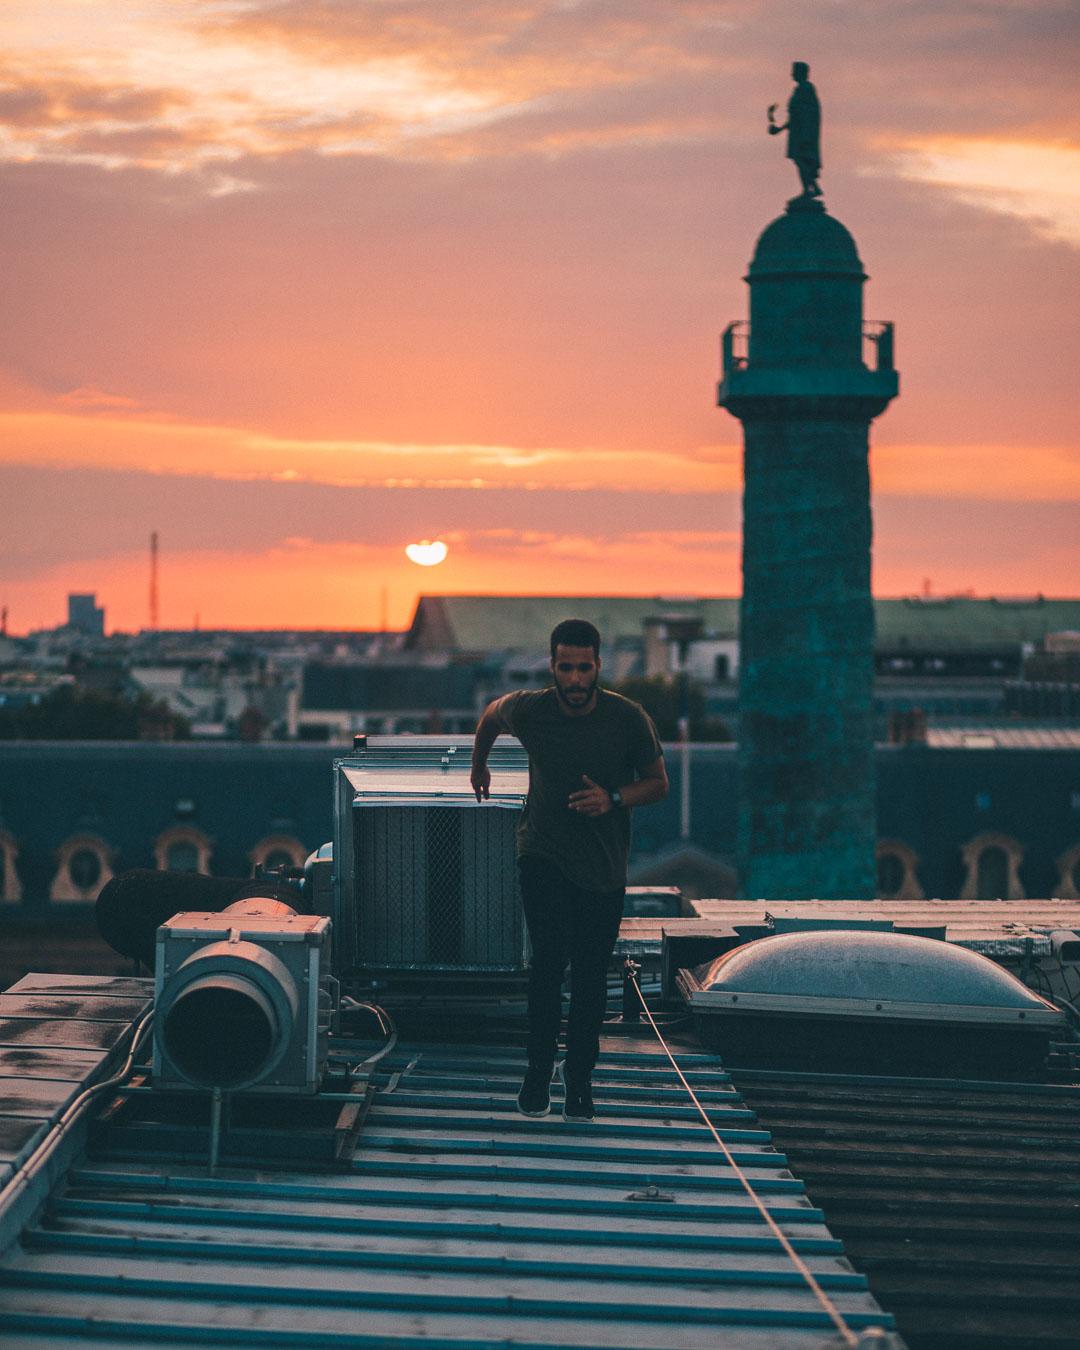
x: 806, y: 396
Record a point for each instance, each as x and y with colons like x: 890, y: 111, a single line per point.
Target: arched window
x: 993, y: 868
x: 10, y: 888
x: 278, y: 850
x: 896, y: 875
x: 890, y: 875
x: 85, y: 866
x: 1067, y: 886
x: 182, y: 856
x: 182, y: 848
x: 992, y: 874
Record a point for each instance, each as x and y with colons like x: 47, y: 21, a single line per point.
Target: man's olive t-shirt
x: 613, y: 745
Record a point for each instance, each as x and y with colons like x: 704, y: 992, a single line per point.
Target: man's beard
x: 577, y: 702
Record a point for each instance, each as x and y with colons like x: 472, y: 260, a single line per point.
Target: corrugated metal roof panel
x: 49, y: 1053
x: 458, y: 1223
x: 959, y: 1200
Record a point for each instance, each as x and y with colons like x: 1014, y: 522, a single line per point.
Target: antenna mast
x: 153, y: 582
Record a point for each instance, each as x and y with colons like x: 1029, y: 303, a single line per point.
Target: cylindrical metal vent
x: 225, y: 1018
x: 221, y: 1031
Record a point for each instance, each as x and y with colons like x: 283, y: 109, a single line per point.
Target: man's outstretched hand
x: 480, y: 778
x: 591, y: 800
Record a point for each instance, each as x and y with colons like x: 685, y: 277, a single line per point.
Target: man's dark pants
x: 567, y: 925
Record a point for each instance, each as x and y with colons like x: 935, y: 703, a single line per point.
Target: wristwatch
x: 616, y: 798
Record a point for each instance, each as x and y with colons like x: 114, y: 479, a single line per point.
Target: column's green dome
x: 806, y: 240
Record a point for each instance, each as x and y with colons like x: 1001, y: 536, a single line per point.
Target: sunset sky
x: 297, y: 283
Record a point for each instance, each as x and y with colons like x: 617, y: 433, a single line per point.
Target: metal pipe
x: 220, y: 1030
x: 215, y: 1128
x: 260, y: 907
x: 30, y: 1170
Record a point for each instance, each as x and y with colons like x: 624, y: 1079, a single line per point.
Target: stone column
x: 799, y: 383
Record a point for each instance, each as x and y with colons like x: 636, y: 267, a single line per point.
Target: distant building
x: 914, y: 635
x: 487, y: 623
x: 1049, y: 685
x: 211, y: 700
x: 953, y: 659
x: 73, y: 814
x: 27, y: 688
x: 336, y: 700
x: 85, y: 616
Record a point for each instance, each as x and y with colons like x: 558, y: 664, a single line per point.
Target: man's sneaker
x: 534, y: 1099
x: 577, y: 1098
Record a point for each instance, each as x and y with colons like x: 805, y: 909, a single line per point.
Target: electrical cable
x: 25, y: 1174
x: 1038, y: 975
x: 834, y: 1314
x: 386, y: 1026
x: 1066, y: 1004
x: 1063, y: 971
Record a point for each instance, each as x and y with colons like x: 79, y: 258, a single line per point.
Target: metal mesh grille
x: 437, y: 888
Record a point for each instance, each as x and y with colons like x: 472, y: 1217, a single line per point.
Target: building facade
x: 963, y: 818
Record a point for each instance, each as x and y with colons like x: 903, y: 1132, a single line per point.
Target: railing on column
x: 878, y: 350
x: 879, y: 344
x: 735, y: 346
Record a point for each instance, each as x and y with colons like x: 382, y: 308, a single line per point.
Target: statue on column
x: 804, y: 130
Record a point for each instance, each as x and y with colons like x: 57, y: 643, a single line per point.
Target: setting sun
x: 427, y: 553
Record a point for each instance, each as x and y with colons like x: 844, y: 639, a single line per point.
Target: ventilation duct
x: 1065, y: 945
x: 242, y: 999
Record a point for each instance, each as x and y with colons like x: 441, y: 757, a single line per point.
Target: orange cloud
x: 1035, y: 181
x: 515, y: 50
x: 25, y: 102
x: 88, y: 399
x: 166, y: 446
x: 170, y: 447
x: 210, y: 84
x: 408, y: 78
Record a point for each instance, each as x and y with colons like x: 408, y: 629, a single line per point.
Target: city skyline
x: 300, y: 284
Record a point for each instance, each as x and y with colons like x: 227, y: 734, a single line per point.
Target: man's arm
x: 487, y: 730
x: 651, y: 786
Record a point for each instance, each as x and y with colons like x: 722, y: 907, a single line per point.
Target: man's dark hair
x: 575, y: 633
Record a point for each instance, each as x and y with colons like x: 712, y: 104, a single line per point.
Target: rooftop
x: 435, y: 1216
x: 483, y: 622
x: 454, y: 1222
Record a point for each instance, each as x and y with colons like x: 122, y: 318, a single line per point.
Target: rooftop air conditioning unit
x: 425, y: 878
